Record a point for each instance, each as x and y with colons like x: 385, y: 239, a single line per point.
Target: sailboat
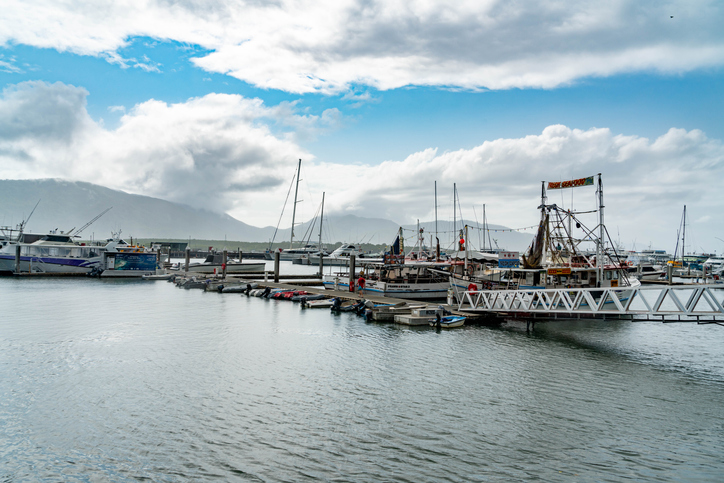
x: 292, y: 253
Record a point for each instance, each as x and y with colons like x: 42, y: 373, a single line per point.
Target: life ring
x: 472, y: 288
x: 471, y: 270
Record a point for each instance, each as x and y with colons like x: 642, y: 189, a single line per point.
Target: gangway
x: 674, y: 303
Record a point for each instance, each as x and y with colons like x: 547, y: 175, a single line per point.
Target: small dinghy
x: 318, y: 304
x: 240, y: 288
x: 447, y: 322
x: 308, y: 297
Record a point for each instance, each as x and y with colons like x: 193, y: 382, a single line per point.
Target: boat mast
x: 683, y: 238
x: 435, y: 209
x: 294, y: 210
x: 599, y: 245
x: 484, y: 230
x: 437, y: 240
x: 455, y: 224
x: 543, y: 201
x: 321, y: 218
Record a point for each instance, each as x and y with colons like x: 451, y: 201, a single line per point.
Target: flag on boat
x: 396, y: 246
x: 573, y: 183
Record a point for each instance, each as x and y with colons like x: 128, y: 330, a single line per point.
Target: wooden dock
x: 398, y: 313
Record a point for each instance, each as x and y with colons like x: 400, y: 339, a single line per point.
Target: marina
x: 342, y: 242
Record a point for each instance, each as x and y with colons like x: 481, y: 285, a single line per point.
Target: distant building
x: 172, y: 246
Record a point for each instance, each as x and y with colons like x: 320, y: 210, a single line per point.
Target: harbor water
x: 115, y: 380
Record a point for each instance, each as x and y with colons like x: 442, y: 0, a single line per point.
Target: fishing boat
x: 402, y: 281
x: 555, y: 259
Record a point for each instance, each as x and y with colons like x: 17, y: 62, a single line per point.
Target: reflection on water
x: 114, y: 380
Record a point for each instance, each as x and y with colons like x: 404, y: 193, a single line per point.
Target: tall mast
x: 599, y: 245
x: 683, y: 236
x: 321, y: 218
x: 455, y: 223
x: 484, y: 228
x: 435, y: 209
x: 294, y: 210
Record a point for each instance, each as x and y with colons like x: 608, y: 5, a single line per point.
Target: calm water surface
x: 132, y: 380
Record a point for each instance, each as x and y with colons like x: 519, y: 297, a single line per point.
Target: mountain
x: 71, y: 204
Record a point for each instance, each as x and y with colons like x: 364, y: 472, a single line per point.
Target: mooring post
x: 670, y: 273
x: 188, y: 258
x: 224, y: 259
x: 351, y: 272
x: 17, y: 259
x: 277, y: 257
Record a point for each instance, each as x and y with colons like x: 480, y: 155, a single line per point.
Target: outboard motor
x: 220, y: 288
x: 266, y: 292
x: 248, y: 288
x: 336, y: 303
x: 360, y: 307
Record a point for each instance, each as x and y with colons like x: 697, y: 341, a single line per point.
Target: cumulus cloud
x: 646, y: 182
x: 215, y: 152
x: 330, y: 45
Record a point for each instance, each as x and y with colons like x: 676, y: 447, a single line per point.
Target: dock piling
x: 277, y: 256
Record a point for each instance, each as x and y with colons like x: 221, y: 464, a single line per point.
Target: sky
x: 212, y: 104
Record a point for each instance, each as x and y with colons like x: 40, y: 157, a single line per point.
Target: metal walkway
x: 699, y: 303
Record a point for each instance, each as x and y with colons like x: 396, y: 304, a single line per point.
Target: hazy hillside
x: 65, y: 205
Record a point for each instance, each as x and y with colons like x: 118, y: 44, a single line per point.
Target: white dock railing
x: 690, y: 301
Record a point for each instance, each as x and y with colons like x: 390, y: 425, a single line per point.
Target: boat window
x: 615, y: 275
x: 608, y: 275
x: 584, y: 275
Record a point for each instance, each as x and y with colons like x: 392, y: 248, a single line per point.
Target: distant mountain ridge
x: 71, y: 204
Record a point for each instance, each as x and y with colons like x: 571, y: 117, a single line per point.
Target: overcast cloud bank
x: 329, y: 45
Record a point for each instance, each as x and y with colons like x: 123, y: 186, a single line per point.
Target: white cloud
x: 331, y: 46
x: 646, y: 182
x: 215, y: 152
x: 221, y: 152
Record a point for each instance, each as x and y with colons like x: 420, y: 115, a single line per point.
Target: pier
x: 677, y: 303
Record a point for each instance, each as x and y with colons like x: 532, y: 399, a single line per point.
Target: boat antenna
x: 25, y: 221
x: 77, y: 232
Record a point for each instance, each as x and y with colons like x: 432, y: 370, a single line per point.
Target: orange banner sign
x: 574, y: 183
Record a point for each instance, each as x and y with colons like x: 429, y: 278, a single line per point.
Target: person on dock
x: 361, y: 284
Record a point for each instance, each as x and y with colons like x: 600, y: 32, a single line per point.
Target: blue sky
x: 211, y: 103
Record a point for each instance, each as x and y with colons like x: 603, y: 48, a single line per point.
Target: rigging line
x: 283, y: 208
x: 477, y: 223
